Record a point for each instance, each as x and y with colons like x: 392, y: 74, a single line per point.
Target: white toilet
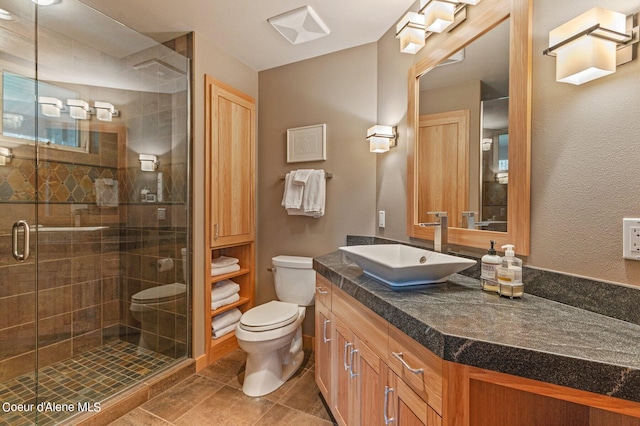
x: 147, y: 306
x: 271, y: 334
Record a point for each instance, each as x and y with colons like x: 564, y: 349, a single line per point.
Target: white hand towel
x: 225, y: 270
x: 220, y: 303
x: 292, y: 198
x: 228, y: 329
x: 225, y: 319
x: 301, y: 176
x: 223, y: 261
x: 313, y: 201
x: 224, y: 289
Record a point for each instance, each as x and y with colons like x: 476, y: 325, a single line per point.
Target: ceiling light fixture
x: 45, y: 2
x: 592, y: 45
x: 300, y: 25
x: 435, y: 16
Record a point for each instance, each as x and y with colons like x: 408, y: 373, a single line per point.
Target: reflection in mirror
x: 462, y: 138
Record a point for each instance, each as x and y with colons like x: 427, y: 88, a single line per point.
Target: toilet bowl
x: 271, y: 333
x: 155, y: 309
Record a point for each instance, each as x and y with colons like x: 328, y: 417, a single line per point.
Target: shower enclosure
x: 94, y: 210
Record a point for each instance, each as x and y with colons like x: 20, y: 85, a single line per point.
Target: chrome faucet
x: 471, y: 219
x: 441, y: 238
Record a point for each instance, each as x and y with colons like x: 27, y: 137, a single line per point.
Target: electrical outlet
x: 381, y: 219
x: 631, y: 238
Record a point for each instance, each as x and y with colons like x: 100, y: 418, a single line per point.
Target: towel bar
x: 326, y: 176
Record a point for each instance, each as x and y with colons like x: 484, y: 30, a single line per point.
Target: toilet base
x: 264, y: 373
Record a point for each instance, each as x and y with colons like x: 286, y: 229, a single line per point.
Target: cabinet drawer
x: 370, y: 328
x: 323, y: 290
x: 420, y: 368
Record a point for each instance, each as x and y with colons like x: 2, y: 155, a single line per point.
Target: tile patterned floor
x: 214, y: 396
x: 87, y: 378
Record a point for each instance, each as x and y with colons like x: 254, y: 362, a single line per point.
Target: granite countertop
x: 530, y: 337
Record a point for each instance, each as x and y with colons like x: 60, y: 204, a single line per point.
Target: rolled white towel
x: 228, y: 329
x: 225, y: 269
x: 223, y: 261
x: 224, y: 289
x: 225, y: 319
x: 219, y: 303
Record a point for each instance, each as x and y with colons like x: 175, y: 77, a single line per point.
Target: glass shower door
x: 18, y: 215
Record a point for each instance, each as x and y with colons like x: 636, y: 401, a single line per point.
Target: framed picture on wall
x: 307, y: 143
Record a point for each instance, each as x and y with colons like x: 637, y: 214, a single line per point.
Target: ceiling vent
x: 300, y: 25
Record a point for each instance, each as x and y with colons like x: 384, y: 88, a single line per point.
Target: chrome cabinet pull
x: 387, y: 419
x: 324, y: 333
x: 344, y: 355
x: 321, y: 291
x: 25, y: 250
x: 407, y: 366
x: 351, y: 373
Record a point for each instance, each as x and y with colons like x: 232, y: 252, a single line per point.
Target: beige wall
x: 584, y: 154
x: 212, y: 60
x: 339, y: 90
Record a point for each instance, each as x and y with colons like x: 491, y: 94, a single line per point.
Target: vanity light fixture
x: 50, y: 107
x: 5, y: 156
x: 502, y: 177
x: 592, y: 45
x: 486, y: 144
x: 381, y: 138
x: 435, y: 16
x: 105, y: 111
x: 45, y: 2
x: 148, y: 162
x: 78, y: 109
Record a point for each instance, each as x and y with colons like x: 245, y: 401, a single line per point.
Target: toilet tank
x: 295, y: 279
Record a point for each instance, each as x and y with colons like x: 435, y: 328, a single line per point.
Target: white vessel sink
x: 398, y: 265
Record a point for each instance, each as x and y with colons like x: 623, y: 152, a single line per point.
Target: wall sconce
x: 105, y: 111
x: 591, y: 45
x: 435, y: 16
x: 486, y: 144
x: 50, y: 107
x: 502, y: 177
x: 148, y: 162
x: 381, y: 138
x: 5, y: 156
x: 78, y: 109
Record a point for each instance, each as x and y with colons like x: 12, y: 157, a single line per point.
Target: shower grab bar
x: 25, y: 249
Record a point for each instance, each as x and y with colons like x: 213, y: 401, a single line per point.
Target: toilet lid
x: 269, y: 316
x: 160, y: 293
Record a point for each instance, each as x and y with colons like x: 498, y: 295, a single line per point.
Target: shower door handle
x: 25, y: 249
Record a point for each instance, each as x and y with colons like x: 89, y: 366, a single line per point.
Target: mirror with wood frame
x: 438, y: 180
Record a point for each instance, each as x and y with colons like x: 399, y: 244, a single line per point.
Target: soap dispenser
x: 489, y: 275
x: 510, y: 274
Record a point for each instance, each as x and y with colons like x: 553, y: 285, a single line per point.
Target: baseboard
x: 201, y: 362
x: 308, y: 342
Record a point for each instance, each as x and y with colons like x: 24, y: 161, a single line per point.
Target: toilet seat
x: 269, y: 316
x: 160, y: 294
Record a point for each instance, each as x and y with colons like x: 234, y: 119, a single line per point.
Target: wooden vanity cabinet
x: 353, y: 369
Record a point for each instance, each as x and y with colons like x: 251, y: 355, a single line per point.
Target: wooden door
x: 230, y: 132
x: 443, y: 154
x: 323, y: 329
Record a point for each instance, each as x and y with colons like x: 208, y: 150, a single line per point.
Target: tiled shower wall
x: 86, y: 278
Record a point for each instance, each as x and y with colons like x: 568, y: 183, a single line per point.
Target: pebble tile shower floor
x: 79, y: 382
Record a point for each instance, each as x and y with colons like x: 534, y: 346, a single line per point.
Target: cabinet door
x: 403, y: 407
x: 370, y: 372
x: 344, y: 389
x: 324, y: 328
x: 231, y: 136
